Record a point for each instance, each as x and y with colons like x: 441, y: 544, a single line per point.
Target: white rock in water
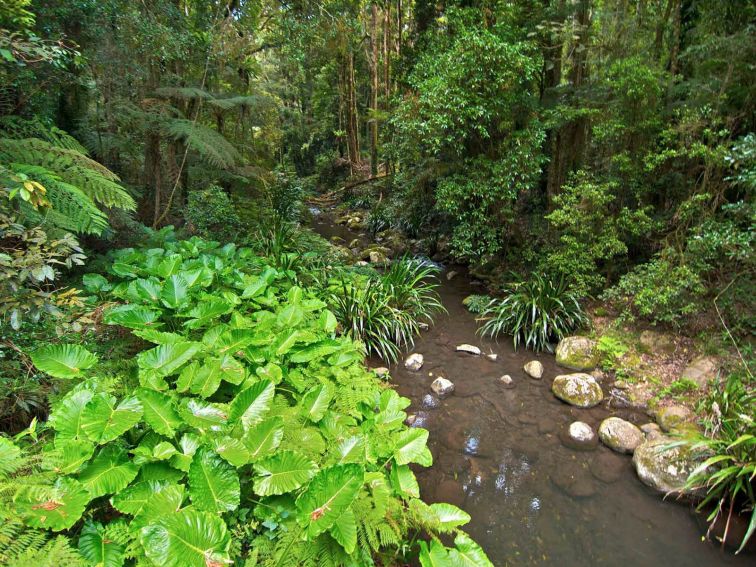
x: 492, y: 356
x: 581, y: 432
x: 579, y: 390
x: 451, y: 275
x: 506, y: 380
x: 470, y: 349
x: 414, y: 361
x: 381, y: 371
x: 442, y: 387
x: 534, y: 369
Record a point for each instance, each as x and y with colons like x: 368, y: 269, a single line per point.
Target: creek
x: 499, y: 454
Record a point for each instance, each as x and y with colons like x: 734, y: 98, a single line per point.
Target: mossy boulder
x: 674, y: 418
x: 620, y: 435
x: 665, y: 468
x: 579, y: 390
x: 577, y: 353
x: 655, y: 342
x: 701, y: 370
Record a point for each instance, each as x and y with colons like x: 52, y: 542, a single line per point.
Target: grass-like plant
x: 536, y: 313
x: 729, y: 475
x: 384, y: 311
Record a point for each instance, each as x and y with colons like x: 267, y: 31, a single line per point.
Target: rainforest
x: 450, y: 283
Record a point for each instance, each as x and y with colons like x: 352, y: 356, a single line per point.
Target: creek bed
x: 498, y: 454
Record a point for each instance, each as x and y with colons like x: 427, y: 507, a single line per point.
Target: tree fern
x: 19, y: 128
x: 209, y: 144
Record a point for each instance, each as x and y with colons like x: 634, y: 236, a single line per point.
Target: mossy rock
x: 579, y: 390
x: 665, y: 468
x: 577, y: 353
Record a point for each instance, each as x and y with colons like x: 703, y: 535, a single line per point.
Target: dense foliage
x: 245, y: 428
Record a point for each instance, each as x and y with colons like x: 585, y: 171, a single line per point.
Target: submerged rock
x: 534, y: 369
x: 573, y: 481
x: 579, y: 390
x: 701, y: 370
x: 430, y: 401
x: 442, y: 387
x: 620, y: 435
x: 674, y: 417
x: 608, y: 467
x: 451, y: 275
x: 470, y: 349
x: 577, y: 353
x: 506, y: 381
x: 492, y: 356
x: 662, y: 468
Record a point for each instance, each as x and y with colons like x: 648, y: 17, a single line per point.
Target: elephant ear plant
x: 249, y: 431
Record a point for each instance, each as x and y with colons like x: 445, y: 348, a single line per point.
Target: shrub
x: 476, y: 304
x: 728, y: 474
x: 211, y: 214
x: 249, y: 429
x: 536, y: 313
x: 611, y: 350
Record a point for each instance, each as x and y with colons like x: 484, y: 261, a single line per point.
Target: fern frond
x: 236, y: 102
x: 209, y: 144
x: 92, y: 178
x: 19, y: 128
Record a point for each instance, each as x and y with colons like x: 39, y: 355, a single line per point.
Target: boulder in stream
x: 577, y: 353
x: 430, y: 401
x: 579, y: 390
x: 534, y: 369
x: 581, y: 432
x: 442, y: 387
x: 414, y: 362
x: 665, y: 468
x: 506, y: 381
x: 469, y: 349
x: 620, y: 435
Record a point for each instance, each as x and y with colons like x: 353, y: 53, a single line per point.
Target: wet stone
x: 534, y: 369
x: 492, y: 356
x: 580, y: 436
x: 579, y: 390
x: 430, y: 401
x: 651, y: 430
x: 673, y: 417
x: 381, y: 371
x: 414, y: 362
x: 620, y: 435
x: 573, y: 481
x: 469, y: 349
x: 442, y: 387
x: 419, y: 419
x: 506, y: 381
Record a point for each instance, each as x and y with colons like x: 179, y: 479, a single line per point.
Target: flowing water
x: 499, y: 455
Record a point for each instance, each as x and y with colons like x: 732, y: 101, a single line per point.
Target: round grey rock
x: 620, y: 435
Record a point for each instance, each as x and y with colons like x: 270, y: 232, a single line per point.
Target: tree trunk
x: 374, y: 89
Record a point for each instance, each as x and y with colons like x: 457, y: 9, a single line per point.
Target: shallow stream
x: 498, y: 454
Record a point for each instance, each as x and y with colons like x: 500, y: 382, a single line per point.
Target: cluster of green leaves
x: 537, y: 313
x: 211, y: 214
x: 611, y: 349
x: 727, y: 475
x: 385, y: 311
x: 250, y: 429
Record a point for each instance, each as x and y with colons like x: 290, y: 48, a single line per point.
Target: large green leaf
x: 283, y: 472
x: 164, y: 360
x: 232, y: 450
x: 97, y: 548
x: 404, y: 481
x: 63, y: 361
x: 202, y: 378
x: 315, y: 402
x: 174, y: 293
x: 66, y: 417
x: 344, y: 530
x: 251, y: 405
x: 95, y: 283
x: 327, y: 497
x: 213, y: 483
x: 159, y: 412
x: 202, y: 414
x: 410, y: 445
x: 434, y: 556
x: 68, y: 455
x: 135, y: 497
x: 316, y: 351
x: 133, y: 317
x: 449, y: 516
x: 289, y: 317
x: 467, y: 553
x: 166, y: 500
x: 103, y: 419
x: 109, y: 472
x: 56, y: 507
x: 146, y: 290
x: 264, y: 437
x: 187, y: 539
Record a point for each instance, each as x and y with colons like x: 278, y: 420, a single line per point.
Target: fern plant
x: 254, y: 431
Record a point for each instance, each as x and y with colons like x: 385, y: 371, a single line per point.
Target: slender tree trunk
x: 659, y: 40
x: 374, y: 89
